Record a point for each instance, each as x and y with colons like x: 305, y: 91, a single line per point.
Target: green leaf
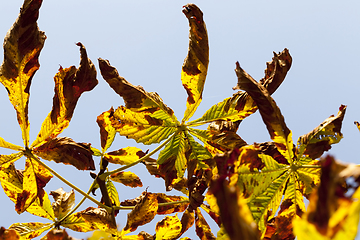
x: 145, y: 118
x: 22, y: 46
x: 168, y: 228
x: 113, y: 194
x: 70, y: 83
x: 30, y: 230
x: 194, y: 69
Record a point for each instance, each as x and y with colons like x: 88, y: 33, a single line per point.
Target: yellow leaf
x: 203, y: 229
x: 145, y: 117
x: 22, y: 46
x: 168, y: 228
x: 6, y: 144
x: 127, y: 178
x: 70, y: 83
x: 194, y: 69
x: 144, y: 212
x: 30, y: 230
x: 113, y: 194
x: 8, y: 159
x: 124, y: 156
x: 107, y: 131
x: 77, y: 222
x: 100, y: 218
x: 357, y: 125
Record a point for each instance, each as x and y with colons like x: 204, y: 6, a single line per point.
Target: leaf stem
x: 68, y: 183
x: 309, y: 166
x: 105, y: 174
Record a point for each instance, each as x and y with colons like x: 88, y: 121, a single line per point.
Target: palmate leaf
x: 145, y: 117
x: 22, y: 46
x: 70, y: 83
x: 194, y: 69
x: 30, y: 230
x: 241, y: 105
x: 281, y: 173
x: 333, y: 210
x: 12, y: 183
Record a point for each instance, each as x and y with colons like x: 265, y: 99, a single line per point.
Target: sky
x: 147, y: 42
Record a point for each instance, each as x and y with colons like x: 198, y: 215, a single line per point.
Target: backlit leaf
x: 6, y: 144
x: 113, y: 194
x: 107, y: 131
x: 7, y: 159
x: 22, y: 46
x: 12, y: 183
x: 144, y: 212
x: 58, y: 234
x: 65, y: 150
x: 241, y: 105
x: 357, y: 125
x: 30, y: 230
x: 174, y: 152
x: 269, y: 111
x: 168, y: 228
x: 334, y: 208
x: 70, y: 83
x: 63, y: 202
x: 202, y: 228
x: 77, y: 222
x: 321, y: 138
x: 6, y: 234
x: 124, y: 156
x: 127, y: 178
x: 187, y: 220
x: 176, y: 207
x: 234, y: 212
x: 145, y: 117
x: 194, y: 69
x: 100, y: 218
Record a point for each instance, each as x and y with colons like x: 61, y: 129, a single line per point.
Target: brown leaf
x: 100, y: 217
x: 22, y: 46
x: 279, y: 228
x: 8, y: 234
x: 65, y: 150
x: 63, y: 202
x: 127, y: 178
x: 144, y: 212
x: 163, y: 198
x: 70, y: 83
x: 202, y: 228
x: 58, y: 234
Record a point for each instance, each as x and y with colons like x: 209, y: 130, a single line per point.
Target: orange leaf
x: 70, y: 83
x: 66, y: 151
x: 8, y: 234
x: 22, y: 46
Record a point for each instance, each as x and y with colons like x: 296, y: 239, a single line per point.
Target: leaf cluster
x: 251, y: 191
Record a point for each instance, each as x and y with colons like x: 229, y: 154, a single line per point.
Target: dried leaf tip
x: 192, y: 11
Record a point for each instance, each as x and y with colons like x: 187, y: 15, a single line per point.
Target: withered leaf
x: 127, y: 178
x: 70, y: 83
x: 202, y: 228
x: 65, y: 150
x: 144, y: 212
x: 107, y: 131
x: 100, y: 218
x: 22, y: 46
x: 6, y: 234
x: 30, y: 230
x: 322, y: 137
x: 194, y: 69
x: 59, y: 234
x: 63, y: 202
x: 124, y: 156
x: 168, y: 228
x: 145, y: 117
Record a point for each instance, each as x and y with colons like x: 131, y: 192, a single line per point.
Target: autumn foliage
x: 251, y: 191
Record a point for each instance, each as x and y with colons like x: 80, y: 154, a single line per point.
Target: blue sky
x: 147, y: 42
